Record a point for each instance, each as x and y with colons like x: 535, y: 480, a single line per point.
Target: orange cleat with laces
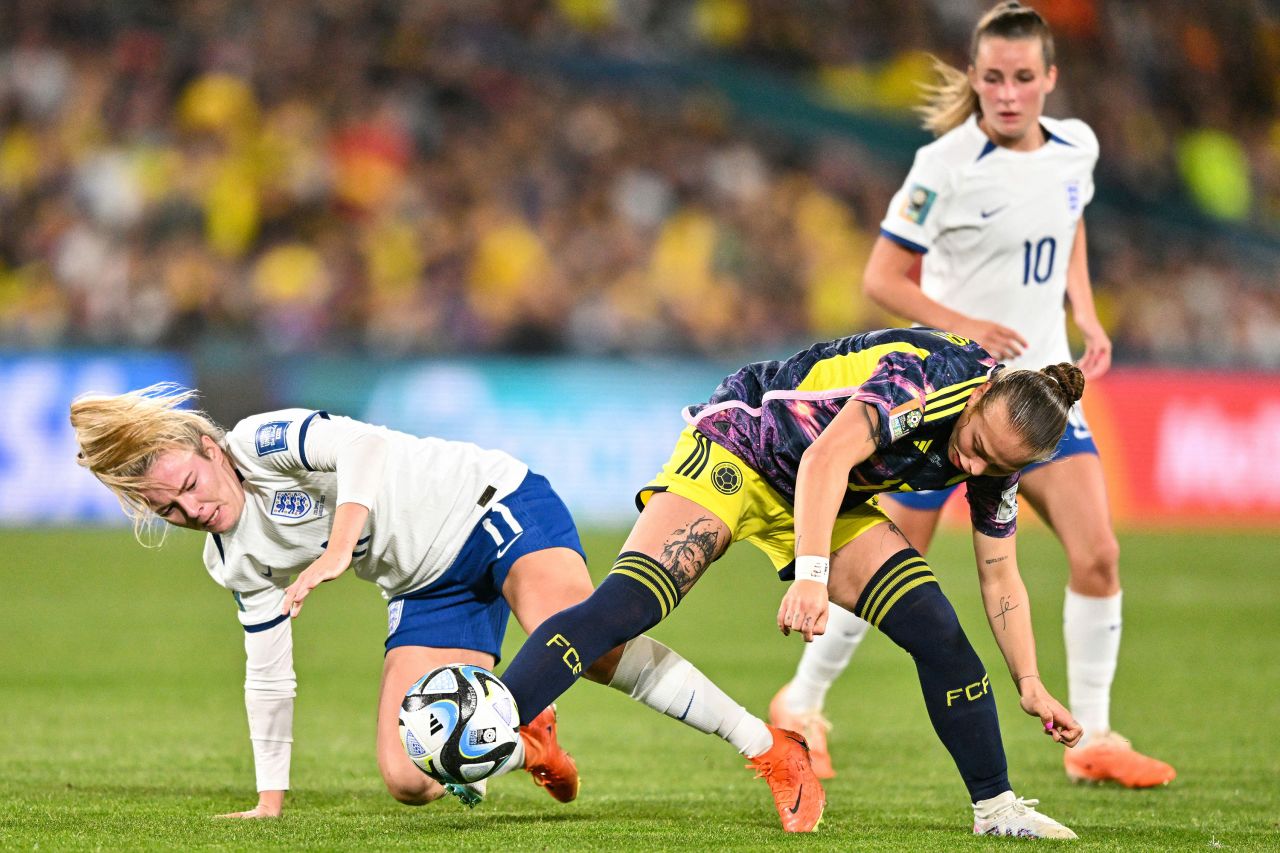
x: 1111, y: 758
x: 812, y: 724
x: 547, y: 762
x: 797, y: 793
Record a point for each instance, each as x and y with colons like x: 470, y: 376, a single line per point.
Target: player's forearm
x: 1004, y: 597
x: 820, y: 488
x: 900, y: 295
x: 269, y: 688
x: 271, y: 733
x: 348, y: 524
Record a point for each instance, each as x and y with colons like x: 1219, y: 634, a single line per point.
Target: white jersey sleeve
x: 919, y: 204
x: 269, y: 689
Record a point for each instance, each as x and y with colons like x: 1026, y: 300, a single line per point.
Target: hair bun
x: 1069, y: 379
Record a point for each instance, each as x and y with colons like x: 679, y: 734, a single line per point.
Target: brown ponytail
x: 1069, y: 378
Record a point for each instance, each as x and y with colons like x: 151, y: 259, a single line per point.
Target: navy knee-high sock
x: 904, y: 601
x: 637, y: 594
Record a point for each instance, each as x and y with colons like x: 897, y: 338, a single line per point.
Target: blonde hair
x: 1038, y: 402
x: 121, y: 436
x: 950, y: 102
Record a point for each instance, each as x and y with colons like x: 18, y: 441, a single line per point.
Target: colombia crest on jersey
x: 918, y: 380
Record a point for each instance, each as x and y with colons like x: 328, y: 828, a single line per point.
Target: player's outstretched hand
x: 1001, y: 341
x: 326, y: 567
x: 804, y: 608
x: 270, y: 804
x: 1057, y: 720
x: 1097, y: 350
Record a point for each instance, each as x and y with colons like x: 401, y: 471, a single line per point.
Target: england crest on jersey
x: 290, y: 503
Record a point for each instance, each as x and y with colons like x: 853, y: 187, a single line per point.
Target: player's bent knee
x: 1096, y: 571
x: 412, y: 787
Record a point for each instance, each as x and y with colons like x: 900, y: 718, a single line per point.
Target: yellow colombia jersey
x: 918, y: 380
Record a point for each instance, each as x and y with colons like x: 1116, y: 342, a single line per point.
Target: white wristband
x: 812, y: 569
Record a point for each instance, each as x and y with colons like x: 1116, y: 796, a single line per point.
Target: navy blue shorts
x: 464, y: 607
x: 1077, y: 439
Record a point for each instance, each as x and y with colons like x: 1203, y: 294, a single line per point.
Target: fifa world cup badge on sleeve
x: 1008, y: 509
x: 904, y: 419
x: 919, y: 200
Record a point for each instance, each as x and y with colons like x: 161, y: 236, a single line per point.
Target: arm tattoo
x: 689, y: 551
x: 996, y: 560
x: 1005, y: 607
x: 872, y: 433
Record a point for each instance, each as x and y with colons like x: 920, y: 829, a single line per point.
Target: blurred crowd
x: 379, y: 176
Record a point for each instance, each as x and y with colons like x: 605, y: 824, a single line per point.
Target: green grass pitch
x: 122, y: 722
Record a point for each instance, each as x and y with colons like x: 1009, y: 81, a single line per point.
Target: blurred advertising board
x: 40, y: 482
x: 1190, y: 448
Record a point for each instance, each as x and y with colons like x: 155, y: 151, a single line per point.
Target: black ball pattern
x: 458, y: 751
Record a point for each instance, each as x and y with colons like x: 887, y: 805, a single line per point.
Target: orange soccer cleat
x: 811, y: 724
x: 547, y: 762
x: 1109, y: 757
x: 797, y: 793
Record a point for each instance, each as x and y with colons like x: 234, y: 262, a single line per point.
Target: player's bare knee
x: 412, y: 789
x: 1096, y: 571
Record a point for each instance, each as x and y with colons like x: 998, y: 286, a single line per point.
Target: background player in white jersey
x: 456, y: 536
x: 993, y: 213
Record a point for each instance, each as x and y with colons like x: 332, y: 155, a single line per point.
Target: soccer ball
x: 458, y: 724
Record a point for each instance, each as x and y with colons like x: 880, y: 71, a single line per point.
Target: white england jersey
x: 997, y: 227
x: 431, y: 495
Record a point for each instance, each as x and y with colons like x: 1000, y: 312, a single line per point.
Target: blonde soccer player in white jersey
x: 457, y: 537
x: 992, y: 211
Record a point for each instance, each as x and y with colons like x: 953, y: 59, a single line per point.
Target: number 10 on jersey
x: 1037, y: 260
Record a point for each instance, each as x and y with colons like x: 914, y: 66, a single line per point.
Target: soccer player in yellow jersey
x: 790, y: 456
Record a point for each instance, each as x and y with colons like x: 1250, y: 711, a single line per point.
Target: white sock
x: 1091, y: 627
x: 653, y: 674
x: 823, y: 661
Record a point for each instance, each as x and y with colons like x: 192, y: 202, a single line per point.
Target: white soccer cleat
x: 1014, y: 817
x: 470, y: 793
